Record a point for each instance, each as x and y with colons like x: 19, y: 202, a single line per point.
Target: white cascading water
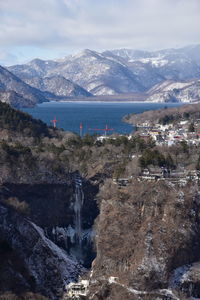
x: 79, y: 198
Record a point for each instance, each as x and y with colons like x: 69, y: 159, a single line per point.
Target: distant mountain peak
x: 36, y: 61
x: 86, y: 53
x: 116, y: 71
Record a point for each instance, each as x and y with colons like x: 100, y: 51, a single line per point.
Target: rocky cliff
x: 29, y: 260
x: 39, y: 229
x: 148, y: 239
x: 147, y: 233
x: 47, y: 212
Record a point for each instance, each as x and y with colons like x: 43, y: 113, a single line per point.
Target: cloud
x: 76, y: 24
x: 7, y: 58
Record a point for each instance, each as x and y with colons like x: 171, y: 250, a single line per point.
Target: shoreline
x: 114, y: 101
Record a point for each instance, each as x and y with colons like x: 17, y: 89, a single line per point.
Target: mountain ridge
x: 113, y: 72
x: 10, y: 82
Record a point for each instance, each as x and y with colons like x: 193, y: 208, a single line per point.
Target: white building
x: 75, y: 289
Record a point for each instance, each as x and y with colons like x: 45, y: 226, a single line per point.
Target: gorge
x: 56, y: 209
x: 73, y: 207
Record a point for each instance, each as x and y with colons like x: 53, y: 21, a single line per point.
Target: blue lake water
x: 91, y: 115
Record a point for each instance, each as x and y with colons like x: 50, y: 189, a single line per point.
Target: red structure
x: 54, y: 121
x: 106, y: 129
x: 81, y: 129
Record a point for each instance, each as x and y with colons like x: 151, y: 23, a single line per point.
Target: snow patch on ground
x: 66, y: 266
x: 155, y: 61
x: 179, y: 276
x: 162, y: 292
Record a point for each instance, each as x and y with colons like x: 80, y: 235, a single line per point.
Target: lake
x: 92, y: 115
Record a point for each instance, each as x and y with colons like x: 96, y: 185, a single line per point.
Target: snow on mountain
x: 174, y: 64
x: 168, y: 85
x: 15, y: 100
x: 91, y: 70
x: 115, y: 71
x: 36, y: 67
x: 130, y: 54
x: 156, y: 61
x: 39, y: 264
x: 9, y: 82
x: 169, y: 91
x: 58, y: 85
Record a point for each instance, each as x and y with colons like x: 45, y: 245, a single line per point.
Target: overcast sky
x: 56, y: 28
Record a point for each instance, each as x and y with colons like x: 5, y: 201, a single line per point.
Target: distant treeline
x: 165, y: 115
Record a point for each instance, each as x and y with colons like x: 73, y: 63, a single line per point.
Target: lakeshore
x: 92, y: 114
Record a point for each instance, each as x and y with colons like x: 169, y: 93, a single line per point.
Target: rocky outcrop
x: 52, y: 207
x: 29, y: 260
x: 143, y: 236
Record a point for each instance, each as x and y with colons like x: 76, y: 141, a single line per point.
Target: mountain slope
x: 172, y: 64
x: 180, y: 91
x: 18, y: 122
x: 117, y: 71
x: 29, y: 260
x: 58, y: 85
x: 10, y: 82
x: 93, y: 71
x: 98, y: 74
x: 36, y: 67
x: 15, y: 100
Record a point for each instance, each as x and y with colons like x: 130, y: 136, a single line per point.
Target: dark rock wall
x: 51, y: 206
x: 30, y: 261
x: 22, y: 249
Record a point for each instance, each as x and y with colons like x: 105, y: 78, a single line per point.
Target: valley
x: 99, y: 150
x: 73, y: 206
x: 98, y: 215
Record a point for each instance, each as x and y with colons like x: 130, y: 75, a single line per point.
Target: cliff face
x: 41, y: 241
x: 147, y: 236
x: 52, y: 206
x: 30, y: 261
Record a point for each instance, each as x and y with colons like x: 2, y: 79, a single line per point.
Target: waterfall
x: 79, y: 198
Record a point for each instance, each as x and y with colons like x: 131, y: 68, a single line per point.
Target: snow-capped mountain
x: 35, y: 68
x: 112, y: 72
x: 171, y: 64
x: 33, y: 90
x: 180, y: 91
x: 58, y: 85
x: 93, y: 71
x: 25, y: 93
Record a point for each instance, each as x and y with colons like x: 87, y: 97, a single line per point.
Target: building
x: 76, y: 289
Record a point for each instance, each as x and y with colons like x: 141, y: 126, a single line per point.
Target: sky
x: 50, y: 29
